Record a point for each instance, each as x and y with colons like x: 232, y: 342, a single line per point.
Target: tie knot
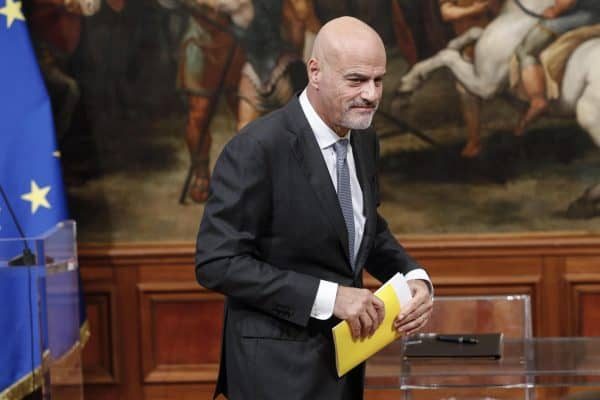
x: 341, y: 148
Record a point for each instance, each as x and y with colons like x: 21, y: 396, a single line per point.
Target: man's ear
x: 314, y: 73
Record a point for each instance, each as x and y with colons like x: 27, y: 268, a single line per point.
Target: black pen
x: 457, y: 339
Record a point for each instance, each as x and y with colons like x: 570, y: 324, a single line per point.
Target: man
x: 286, y: 249
x: 561, y: 17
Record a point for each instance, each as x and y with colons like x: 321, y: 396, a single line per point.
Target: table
x: 525, y: 364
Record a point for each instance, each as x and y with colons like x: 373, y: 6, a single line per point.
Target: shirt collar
x: 325, y: 136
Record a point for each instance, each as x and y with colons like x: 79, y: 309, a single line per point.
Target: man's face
x: 351, y: 87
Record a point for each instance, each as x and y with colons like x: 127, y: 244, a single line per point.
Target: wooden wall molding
x: 506, y: 244
x: 584, y: 295
x: 165, y: 342
x: 437, y: 246
x: 131, y: 254
x: 171, y: 287
x: 161, y: 339
x: 102, y: 347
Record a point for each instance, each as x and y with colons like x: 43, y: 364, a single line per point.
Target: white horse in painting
x: 488, y: 74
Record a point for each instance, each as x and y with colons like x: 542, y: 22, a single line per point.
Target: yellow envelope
x: 349, y: 353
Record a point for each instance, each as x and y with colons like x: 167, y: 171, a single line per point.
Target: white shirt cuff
x: 421, y: 274
x: 325, y: 300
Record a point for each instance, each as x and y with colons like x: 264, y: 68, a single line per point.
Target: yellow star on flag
x: 37, y: 197
x: 56, y: 153
x: 12, y: 11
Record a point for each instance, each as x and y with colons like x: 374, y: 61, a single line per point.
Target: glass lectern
x: 40, y: 350
x: 529, y: 366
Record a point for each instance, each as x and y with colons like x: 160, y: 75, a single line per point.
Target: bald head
x: 342, y: 37
x: 345, y: 74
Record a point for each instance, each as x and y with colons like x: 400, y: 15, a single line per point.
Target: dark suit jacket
x: 272, y: 228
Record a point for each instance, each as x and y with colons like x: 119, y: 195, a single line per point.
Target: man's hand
x: 360, y: 308
x: 418, y: 310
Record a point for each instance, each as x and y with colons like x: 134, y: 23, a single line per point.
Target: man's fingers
x: 363, y: 310
x: 354, y: 327
x: 404, y: 313
x: 419, y: 307
x: 408, y: 313
x: 419, y: 304
x: 366, y: 325
x: 379, y: 308
x: 418, y: 328
x: 413, y: 324
x: 416, y: 325
x: 411, y: 316
x: 374, y: 319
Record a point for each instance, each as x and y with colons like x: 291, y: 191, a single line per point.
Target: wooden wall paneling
x: 100, y: 356
x: 450, y: 394
x: 583, y: 264
x: 487, y: 275
x: 157, y: 303
x: 582, y: 291
x: 584, y: 313
x: 179, y: 391
x: 182, y: 325
x: 500, y: 275
x: 553, y: 304
x: 170, y: 273
x: 553, y: 323
x: 130, y: 332
x: 473, y: 246
x: 102, y: 372
x: 587, y: 312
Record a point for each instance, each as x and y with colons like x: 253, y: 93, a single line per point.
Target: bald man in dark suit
x: 292, y: 220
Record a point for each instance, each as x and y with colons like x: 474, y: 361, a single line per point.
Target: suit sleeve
x: 236, y: 216
x: 387, y: 256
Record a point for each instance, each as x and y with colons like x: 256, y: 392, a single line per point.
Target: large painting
x: 489, y: 122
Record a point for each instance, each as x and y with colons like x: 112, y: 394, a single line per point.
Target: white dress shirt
x: 326, y: 138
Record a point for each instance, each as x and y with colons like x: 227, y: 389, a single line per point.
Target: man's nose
x: 369, y: 91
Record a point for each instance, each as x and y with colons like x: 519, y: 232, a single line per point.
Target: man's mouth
x: 364, y: 108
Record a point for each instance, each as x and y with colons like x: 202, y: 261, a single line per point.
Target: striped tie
x: 344, y: 193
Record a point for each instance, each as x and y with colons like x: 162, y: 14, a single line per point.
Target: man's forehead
x: 360, y: 67
x: 357, y: 56
x: 362, y: 71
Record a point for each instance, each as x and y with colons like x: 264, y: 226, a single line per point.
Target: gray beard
x: 357, y: 123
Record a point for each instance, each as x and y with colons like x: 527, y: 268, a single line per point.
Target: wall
x: 156, y: 333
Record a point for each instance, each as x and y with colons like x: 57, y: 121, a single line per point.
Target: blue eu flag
x: 29, y: 165
x: 30, y: 175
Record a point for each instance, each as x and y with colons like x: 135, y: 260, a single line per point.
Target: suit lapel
x: 358, y: 150
x: 308, y: 154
